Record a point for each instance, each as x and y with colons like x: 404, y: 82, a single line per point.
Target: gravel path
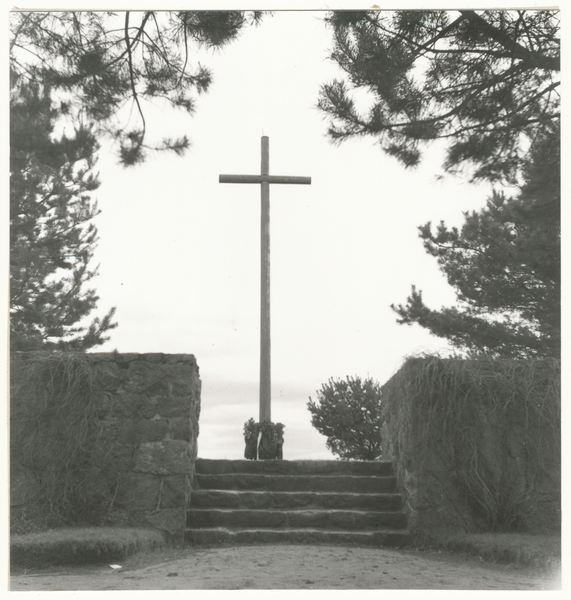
x: 289, y: 567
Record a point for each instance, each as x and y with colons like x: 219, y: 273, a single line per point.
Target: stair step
x: 288, y: 500
x: 297, y: 502
x: 297, y: 467
x: 294, y: 483
x: 295, y: 519
x: 220, y: 535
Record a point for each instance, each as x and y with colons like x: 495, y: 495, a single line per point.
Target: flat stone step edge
x: 262, y: 499
x: 388, y: 538
x: 334, y: 511
x: 309, y: 483
x: 338, y: 520
x: 216, y: 466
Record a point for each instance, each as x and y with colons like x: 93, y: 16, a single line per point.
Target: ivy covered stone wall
x: 476, y: 444
x: 103, y: 438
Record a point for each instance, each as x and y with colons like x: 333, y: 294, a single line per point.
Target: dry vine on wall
x: 56, y: 435
x: 497, y: 424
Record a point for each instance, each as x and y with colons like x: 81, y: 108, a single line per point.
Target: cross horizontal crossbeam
x: 264, y: 179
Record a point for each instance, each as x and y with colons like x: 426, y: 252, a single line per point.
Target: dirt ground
x: 288, y: 567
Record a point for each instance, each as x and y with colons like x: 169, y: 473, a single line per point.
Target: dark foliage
x: 505, y: 265
x: 348, y: 413
x: 106, y: 66
x: 485, y: 81
x: 52, y: 235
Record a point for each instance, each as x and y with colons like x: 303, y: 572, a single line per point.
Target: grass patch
x: 535, y: 551
x: 81, y: 545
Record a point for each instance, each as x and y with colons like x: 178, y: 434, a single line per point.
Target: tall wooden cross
x: 265, y: 345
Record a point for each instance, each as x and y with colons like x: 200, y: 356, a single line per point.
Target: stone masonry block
x: 155, y: 357
x: 188, y: 359
x: 159, y: 379
x: 174, y: 406
x: 138, y: 431
x: 102, y: 402
x: 117, y: 461
x: 142, y: 378
x: 194, y: 430
x: 180, y: 428
x: 127, y: 358
x: 138, y: 491
x: 175, y: 491
x: 129, y: 404
x: 99, y: 357
x: 163, y: 458
x: 110, y: 427
x: 193, y: 450
x: 23, y: 485
x: 109, y: 375
x: 120, y: 517
x: 170, y: 520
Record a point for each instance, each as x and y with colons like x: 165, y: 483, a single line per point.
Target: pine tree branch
x: 419, y: 47
x: 132, y: 78
x: 183, y: 70
x: 529, y: 57
x: 25, y: 17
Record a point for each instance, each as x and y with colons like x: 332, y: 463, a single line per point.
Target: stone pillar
x: 143, y: 421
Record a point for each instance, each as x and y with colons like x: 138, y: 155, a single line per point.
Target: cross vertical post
x: 265, y: 179
x: 265, y: 324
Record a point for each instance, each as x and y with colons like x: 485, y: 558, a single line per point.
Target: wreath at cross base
x: 263, y: 440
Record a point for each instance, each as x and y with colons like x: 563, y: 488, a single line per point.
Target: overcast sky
x: 179, y: 252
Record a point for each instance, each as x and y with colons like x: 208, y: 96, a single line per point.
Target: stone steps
x: 295, y: 519
x: 296, y: 483
x: 295, y: 467
x: 277, y: 501
x: 288, y: 500
x: 222, y: 535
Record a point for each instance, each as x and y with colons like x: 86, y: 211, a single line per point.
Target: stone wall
x: 468, y: 462
x: 141, y: 431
